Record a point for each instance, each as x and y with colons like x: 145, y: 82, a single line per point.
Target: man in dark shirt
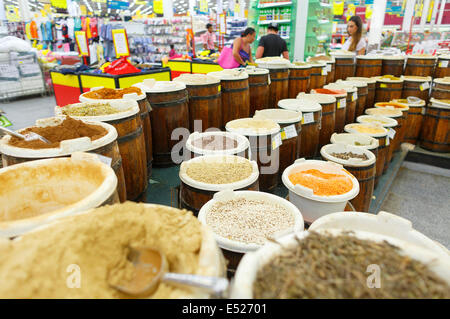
x: 272, y: 44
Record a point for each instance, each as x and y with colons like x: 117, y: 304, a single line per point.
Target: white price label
x: 289, y: 132
x: 342, y: 103
x: 354, y: 96
x: 387, y: 140
x: 324, y: 71
x: 276, y: 141
x: 328, y: 68
x: 104, y: 159
x: 391, y: 133
x: 268, y: 80
x: 308, y: 118
x: 443, y: 64
x: 424, y: 86
x: 423, y: 111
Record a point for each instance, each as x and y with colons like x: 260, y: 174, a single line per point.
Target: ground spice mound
x: 348, y: 155
x: 215, y: 143
x: 219, y: 172
x: 36, y: 266
x: 367, y: 129
x: 69, y: 129
x: 107, y: 93
x: 322, y: 184
x: 323, y: 266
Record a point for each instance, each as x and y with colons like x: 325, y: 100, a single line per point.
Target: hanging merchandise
x: 158, y: 6
x: 62, y: 4
x: 121, y: 66
x: 338, y: 7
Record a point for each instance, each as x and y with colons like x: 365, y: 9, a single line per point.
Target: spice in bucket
x: 94, y: 109
x: 69, y: 128
x: 322, y: 184
x: 391, y: 104
x: 349, y: 155
x: 215, y: 143
x: 248, y: 221
x: 335, y: 267
x: 367, y: 129
x: 226, y: 172
x: 106, y: 93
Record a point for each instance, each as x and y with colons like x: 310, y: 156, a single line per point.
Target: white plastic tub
x: 369, y: 142
x: 314, y: 206
x: 327, y: 151
x: 243, y: 144
x: 227, y: 195
x: 377, y: 119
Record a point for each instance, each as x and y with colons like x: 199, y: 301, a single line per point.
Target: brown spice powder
x: 107, y: 93
x: 69, y: 129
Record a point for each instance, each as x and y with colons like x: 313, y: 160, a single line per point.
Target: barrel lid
x: 369, y: 57
x: 281, y: 116
x: 196, y: 79
x: 377, y: 119
x: 444, y: 56
x: 230, y: 74
x: 388, y: 79
x: 379, y: 131
x: 413, y: 78
x: 384, y: 112
x: 273, y: 63
x: 443, y: 104
x: 318, y: 97
x: 322, y: 58
x: 362, y: 79
x: 355, y: 139
x: 67, y: 147
x: 411, y: 101
x: 316, y: 64
x: 445, y: 80
x: 253, y: 126
x: 421, y: 56
x: 300, y: 65
x: 342, y: 86
x: 393, y: 105
x: 130, y: 96
x: 393, y: 57
x: 251, y: 70
x: 342, y: 54
x: 339, y: 92
x: 242, y: 143
x: 301, y: 105
x: 357, y: 83
x: 327, y: 151
x: 125, y: 109
x: 164, y: 86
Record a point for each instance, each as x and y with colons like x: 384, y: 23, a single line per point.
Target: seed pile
x: 255, y: 124
x: 323, y: 266
x: 219, y: 172
x: 106, y: 93
x: 97, y: 109
x: 215, y: 143
x: 367, y: 129
x: 248, y: 221
x: 348, y: 155
x: 322, y: 184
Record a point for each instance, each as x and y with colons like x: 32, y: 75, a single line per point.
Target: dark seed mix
x: 346, y: 156
x: 336, y: 267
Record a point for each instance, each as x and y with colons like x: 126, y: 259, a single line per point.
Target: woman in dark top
x: 242, y: 51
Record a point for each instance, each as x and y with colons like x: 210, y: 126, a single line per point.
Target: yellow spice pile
x: 36, y: 265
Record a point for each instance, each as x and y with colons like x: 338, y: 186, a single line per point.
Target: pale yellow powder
x: 36, y: 265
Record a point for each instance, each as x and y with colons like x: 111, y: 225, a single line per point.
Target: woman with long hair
x: 355, y: 43
x: 242, y: 51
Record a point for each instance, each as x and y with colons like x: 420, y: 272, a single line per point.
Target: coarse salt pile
x: 225, y: 172
x: 248, y: 221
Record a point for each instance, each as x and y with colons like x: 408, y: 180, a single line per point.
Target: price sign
x: 443, y: 64
x: 391, y: 133
x: 424, y: 86
x: 288, y: 132
x: 354, y: 96
x: 328, y: 68
x: 4, y: 122
x: 308, y: 118
x: 382, y: 85
x: 276, y: 141
x: 120, y: 42
x: 83, y: 48
x: 342, y: 103
x: 324, y: 71
x: 387, y: 140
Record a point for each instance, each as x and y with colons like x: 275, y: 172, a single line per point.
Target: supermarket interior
x: 224, y: 149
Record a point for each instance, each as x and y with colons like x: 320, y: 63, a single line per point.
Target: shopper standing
x: 242, y: 52
x: 209, y: 39
x: 272, y: 44
x: 172, y: 51
x: 355, y: 43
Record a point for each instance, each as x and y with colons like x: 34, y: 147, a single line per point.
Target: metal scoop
x: 150, y: 269
x: 27, y: 137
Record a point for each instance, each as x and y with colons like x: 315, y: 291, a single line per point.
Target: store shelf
x: 273, y: 21
x: 274, y: 5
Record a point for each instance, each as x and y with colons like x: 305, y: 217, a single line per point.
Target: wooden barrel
x: 414, y: 120
x: 170, y: 110
x: 418, y: 86
x: 144, y: 112
x: 392, y: 65
x: 260, y: 133
x: 279, y: 86
x: 382, y: 147
x: 351, y: 102
x: 258, y: 82
x: 388, y: 90
x: 420, y: 65
x: 371, y: 84
x: 105, y: 146
x: 435, y: 135
x: 290, y: 124
x: 330, y: 65
x: 328, y: 103
x: 442, y: 67
x: 299, y: 80
x: 368, y: 65
x: 331, y: 70
x: 397, y: 115
x: 441, y: 89
x: 364, y: 171
x: 194, y: 194
x: 404, y: 108
x: 362, y: 91
x: 318, y: 75
x: 345, y: 67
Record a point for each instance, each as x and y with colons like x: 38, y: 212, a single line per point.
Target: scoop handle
x: 10, y: 132
x: 216, y: 285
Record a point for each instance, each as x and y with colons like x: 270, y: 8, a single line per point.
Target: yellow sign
x: 83, y: 10
x: 120, y: 42
x: 12, y: 13
x: 369, y: 11
x: 140, y: 2
x: 43, y: 13
x: 59, y: 4
x: 158, y: 6
x: 237, y: 9
x: 83, y: 48
x: 203, y: 6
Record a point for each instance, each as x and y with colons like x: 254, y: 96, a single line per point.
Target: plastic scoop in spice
x: 27, y: 137
x: 150, y: 269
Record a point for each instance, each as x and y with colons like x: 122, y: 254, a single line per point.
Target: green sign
x: 4, y: 121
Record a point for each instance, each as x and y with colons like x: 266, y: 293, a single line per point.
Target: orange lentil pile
x: 322, y: 184
x: 107, y: 93
x: 393, y: 104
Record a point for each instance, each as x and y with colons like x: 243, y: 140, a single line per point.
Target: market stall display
x: 435, y: 127
x: 299, y: 78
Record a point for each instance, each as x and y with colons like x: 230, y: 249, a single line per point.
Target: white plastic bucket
x: 314, y: 206
x: 243, y: 144
x: 377, y: 119
x: 368, y: 142
x: 327, y: 151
